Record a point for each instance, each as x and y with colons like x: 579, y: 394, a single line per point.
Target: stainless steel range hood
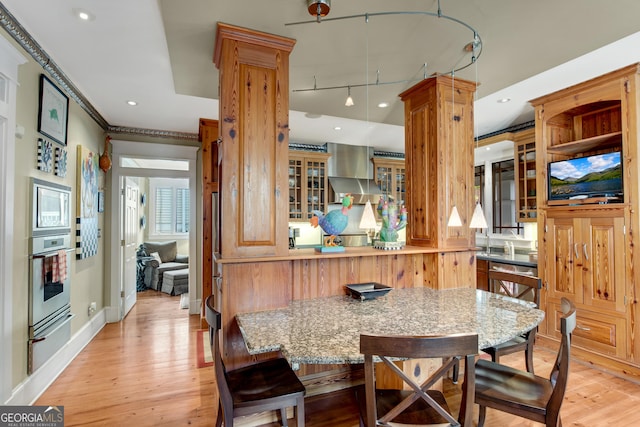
x: 351, y: 171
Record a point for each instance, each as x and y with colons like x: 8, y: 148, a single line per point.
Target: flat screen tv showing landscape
x: 598, y: 175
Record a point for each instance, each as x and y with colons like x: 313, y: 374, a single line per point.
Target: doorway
x: 133, y: 159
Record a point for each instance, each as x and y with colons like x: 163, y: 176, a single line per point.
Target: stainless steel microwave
x: 50, y: 208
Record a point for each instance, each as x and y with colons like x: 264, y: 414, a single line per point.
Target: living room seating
x: 157, y: 258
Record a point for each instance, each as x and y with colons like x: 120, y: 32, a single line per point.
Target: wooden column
x: 254, y: 127
x: 439, y: 170
x: 208, y: 136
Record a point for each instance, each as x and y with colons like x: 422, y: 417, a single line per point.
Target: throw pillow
x: 156, y: 256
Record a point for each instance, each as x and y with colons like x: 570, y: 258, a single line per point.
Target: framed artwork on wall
x: 53, y: 113
x: 87, y: 204
x: 44, y: 155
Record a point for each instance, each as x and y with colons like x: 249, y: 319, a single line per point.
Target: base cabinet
x: 585, y: 260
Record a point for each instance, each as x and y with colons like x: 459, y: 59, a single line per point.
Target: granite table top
x: 327, y: 330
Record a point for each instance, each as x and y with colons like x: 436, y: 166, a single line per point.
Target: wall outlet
x: 92, y: 308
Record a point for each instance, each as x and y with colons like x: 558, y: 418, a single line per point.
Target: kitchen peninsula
x: 254, y: 269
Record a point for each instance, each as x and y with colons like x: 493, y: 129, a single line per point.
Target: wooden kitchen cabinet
x: 308, y: 184
x: 525, y: 172
x: 586, y: 245
x: 390, y: 176
x: 585, y: 263
x: 482, y: 274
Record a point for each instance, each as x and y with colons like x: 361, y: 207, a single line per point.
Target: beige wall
x: 90, y: 277
x: 87, y: 281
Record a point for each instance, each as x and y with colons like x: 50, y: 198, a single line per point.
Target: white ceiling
x: 159, y: 53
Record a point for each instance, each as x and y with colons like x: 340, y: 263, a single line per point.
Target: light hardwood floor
x: 143, y: 371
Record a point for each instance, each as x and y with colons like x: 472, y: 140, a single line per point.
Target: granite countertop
x: 327, y: 330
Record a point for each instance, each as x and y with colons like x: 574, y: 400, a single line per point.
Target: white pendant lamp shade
x: 478, y: 219
x: 368, y: 220
x: 454, y: 218
x: 349, y: 101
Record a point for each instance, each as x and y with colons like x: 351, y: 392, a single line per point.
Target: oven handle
x: 53, y: 328
x: 48, y: 254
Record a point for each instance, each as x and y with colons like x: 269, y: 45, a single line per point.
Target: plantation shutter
x: 182, y: 210
x: 164, y: 205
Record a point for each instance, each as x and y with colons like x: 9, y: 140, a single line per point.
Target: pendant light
x: 368, y: 220
x: 349, y: 101
x: 478, y: 220
x: 454, y: 216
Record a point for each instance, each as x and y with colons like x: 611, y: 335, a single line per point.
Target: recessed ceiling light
x: 132, y: 103
x: 312, y: 115
x: 337, y: 128
x: 503, y: 100
x: 383, y: 105
x: 83, y: 15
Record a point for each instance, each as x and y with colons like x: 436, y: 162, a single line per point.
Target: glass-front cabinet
x: 389, y: 174
x: 308, y: 184
x: 525, y: 168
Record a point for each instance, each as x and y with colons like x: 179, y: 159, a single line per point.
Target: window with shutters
x: 168, y: 208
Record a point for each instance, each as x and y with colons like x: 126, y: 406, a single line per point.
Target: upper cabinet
x: 389, y: 174
x: 525, y: 176
x: 307, y: 184
x: 576, y: 129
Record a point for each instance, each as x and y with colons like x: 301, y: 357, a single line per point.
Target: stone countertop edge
x: 360, y: 251
x: 519, y: 260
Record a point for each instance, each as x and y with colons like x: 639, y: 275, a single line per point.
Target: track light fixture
x: 349, y: 101
x: 319, y: 8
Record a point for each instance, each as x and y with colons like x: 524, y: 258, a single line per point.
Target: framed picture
x: 53, y: 114
x: 100, y: 201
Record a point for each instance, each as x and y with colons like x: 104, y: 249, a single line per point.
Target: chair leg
x: 283, y: 417
x: 455, y: 371
x: 528, y: 358
x: 300, y: 412
x: 482, y: 414
x: 219, y: 417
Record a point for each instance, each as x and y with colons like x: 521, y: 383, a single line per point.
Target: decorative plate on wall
x: 61, y: 162
x: 45, y: 155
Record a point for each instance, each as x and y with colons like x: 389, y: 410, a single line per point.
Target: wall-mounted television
x: 598, y: 175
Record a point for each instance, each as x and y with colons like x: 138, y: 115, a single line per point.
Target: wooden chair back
x: 447, y: 348
x: 537, y: 398
x: 214, y: 320
x: 560, y: 373
x: 267, y: 385
x: 516, y: 285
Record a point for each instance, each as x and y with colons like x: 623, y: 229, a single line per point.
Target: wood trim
x: 260, y: 39
x: 593, y: 84
x: 208, y: 133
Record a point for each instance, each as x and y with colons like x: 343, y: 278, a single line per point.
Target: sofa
x: 154, y: 258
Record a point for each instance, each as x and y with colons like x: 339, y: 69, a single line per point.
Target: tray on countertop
x: 370, y: 290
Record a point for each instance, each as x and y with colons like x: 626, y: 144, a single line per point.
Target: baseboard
x: 28, y: 391
x: 194, y: 305
x: 610, y: 365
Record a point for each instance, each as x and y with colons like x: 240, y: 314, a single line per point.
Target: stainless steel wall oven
x: 49, y: 273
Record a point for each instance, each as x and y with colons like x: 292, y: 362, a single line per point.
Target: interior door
x: 130, y: 242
